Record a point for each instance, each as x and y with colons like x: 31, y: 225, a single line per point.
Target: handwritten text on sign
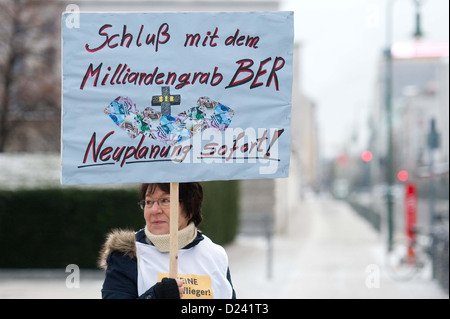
x: 184, y: 100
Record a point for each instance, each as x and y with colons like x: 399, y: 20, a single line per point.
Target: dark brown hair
x: 190, y: 195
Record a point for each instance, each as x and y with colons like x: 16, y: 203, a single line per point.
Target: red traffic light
x: 366, y: 156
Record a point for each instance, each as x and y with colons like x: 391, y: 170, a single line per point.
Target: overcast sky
x: 342, y: 41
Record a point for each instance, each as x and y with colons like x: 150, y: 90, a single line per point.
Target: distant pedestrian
x: 136, y: 263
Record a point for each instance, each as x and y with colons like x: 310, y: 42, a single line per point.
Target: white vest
x: 203, y: 269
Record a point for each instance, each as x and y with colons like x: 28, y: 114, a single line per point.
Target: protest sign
x: 176, y: 97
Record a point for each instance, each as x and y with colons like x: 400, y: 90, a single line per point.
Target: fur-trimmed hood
x: 124, y: 241
x: 120, y: 240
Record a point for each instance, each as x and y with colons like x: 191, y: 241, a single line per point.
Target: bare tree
x: 29, y: 71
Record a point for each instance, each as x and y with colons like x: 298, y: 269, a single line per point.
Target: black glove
x: 167, y: 289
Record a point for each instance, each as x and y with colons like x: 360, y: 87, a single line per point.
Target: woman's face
x: 157, y: 218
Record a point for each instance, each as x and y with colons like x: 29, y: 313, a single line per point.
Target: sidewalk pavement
x: 328, y: 252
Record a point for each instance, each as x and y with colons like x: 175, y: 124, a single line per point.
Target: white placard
x: 176, y: 97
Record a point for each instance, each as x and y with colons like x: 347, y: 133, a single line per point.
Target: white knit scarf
x: 162, y: 242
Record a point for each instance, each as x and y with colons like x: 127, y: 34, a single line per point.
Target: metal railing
x: 439, y: 253
x: 260, y: 225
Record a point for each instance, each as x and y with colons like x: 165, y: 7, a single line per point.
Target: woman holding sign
x: 136, y: 264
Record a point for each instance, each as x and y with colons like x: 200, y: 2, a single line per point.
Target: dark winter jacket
x: 118, y: 259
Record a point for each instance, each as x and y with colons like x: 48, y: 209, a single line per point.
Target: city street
x: 329, y: 252
x: 318, y: 131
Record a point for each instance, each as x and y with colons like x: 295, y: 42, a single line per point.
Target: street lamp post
x: 418, y: 32
x: 388, y: 105
x: 390, y: 145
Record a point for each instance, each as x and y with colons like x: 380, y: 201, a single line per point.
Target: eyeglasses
x: 162, y: 202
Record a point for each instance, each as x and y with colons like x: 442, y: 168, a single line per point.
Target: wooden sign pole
x: 174, y: 211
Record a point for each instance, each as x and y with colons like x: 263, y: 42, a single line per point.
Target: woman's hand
x: 180, y: 287
x: 169, y: 288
